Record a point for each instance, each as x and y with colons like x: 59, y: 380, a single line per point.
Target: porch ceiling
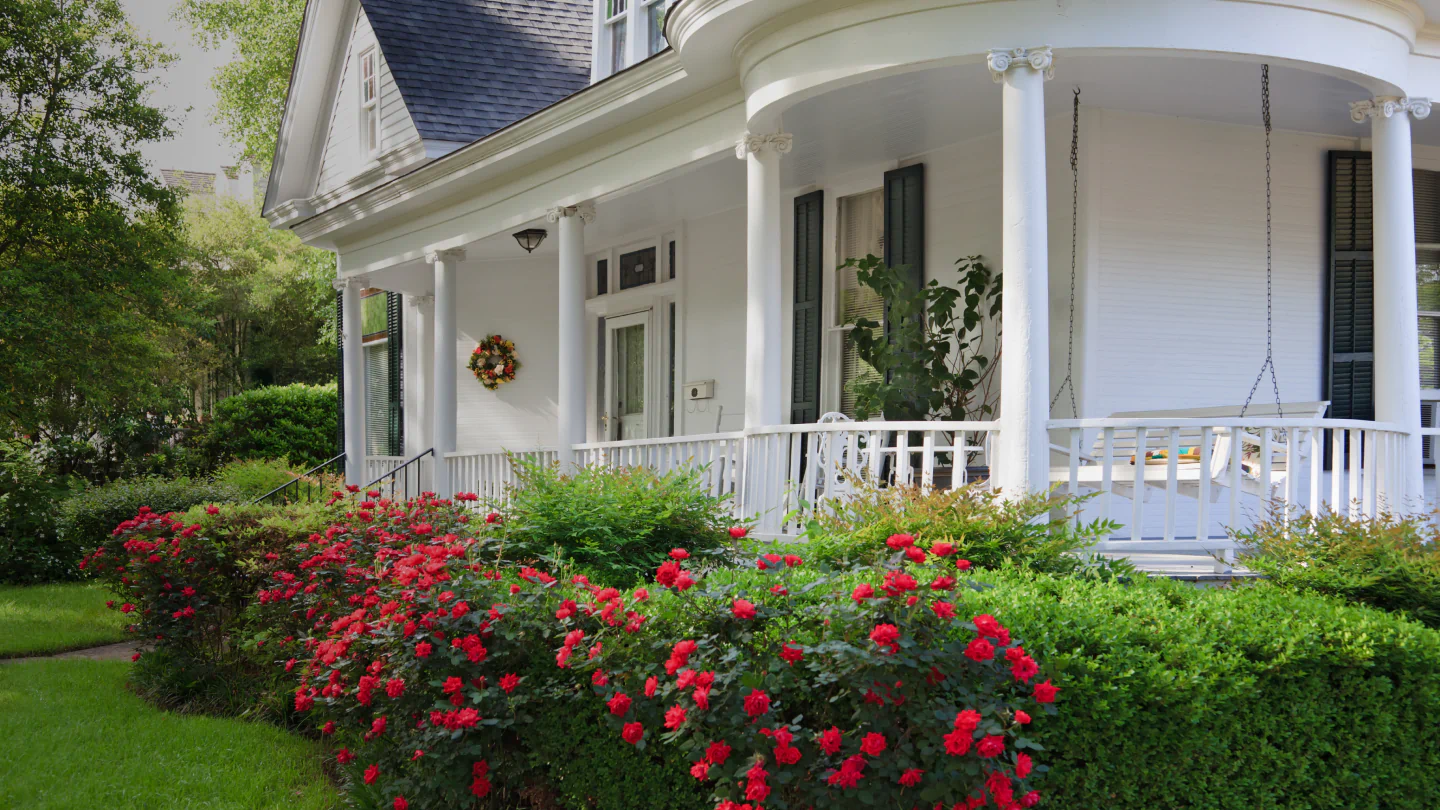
x: 900, y: 116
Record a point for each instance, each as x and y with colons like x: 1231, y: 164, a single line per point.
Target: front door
x: 626, y: 382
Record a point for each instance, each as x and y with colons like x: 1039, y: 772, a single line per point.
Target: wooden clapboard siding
x: 342, y: 159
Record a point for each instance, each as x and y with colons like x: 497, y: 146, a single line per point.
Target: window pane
x: 631, y: 345
x: 657, y: 26
x: 617, y: 46
x: 614, y: 7
x: 602, y: 277
x: 377, y: 397
x: 637, y: 268
x: 1429, y: 343
x: 372, y: 316
x: 862, y: 233
x: 1427, y: 279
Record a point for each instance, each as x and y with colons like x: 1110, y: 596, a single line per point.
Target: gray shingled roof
x: 469, y: 67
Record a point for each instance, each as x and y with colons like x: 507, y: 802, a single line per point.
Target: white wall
x: 342, y: 158
x: 713, y: 320
x: 1180, y: 281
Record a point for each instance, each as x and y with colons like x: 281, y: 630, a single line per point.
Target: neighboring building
x: 231, y: 181
x: 684, y: 307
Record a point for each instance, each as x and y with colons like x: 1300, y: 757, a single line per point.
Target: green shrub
x: 255, y: 477
x: 982, y: 526
x: 31, y: 549
x: 87, y: 518
x: 616, y: 523
x: 1390, y: 562
x: 294, y: 422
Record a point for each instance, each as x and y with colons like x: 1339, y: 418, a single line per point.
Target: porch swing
x: 1134, y: 455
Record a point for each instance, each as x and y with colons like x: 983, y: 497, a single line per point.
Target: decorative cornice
x: 1002, y: 59
x: 446, y: 255
x: 418, y: 301
x: 585, y: 211
x: 778, y: 142
x: 1388, y: 107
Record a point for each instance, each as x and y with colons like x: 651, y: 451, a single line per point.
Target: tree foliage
x: 92, y: 292
x: 251, y: 90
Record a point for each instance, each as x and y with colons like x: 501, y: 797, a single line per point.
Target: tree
x: 264, y: 297
x: 93, y: 295
x: 251, y: 89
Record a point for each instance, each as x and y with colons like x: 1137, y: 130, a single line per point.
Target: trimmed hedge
x: 87, y: 519
x: 1170, y: 696
x: 292, y: 422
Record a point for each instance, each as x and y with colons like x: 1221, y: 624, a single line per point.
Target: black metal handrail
x: 311, y: 480
x: 408, y: 472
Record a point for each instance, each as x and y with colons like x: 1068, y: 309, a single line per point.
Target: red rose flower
x: 371, y: 773
x: 915, y: 554
x: 791, y: 655
x: 757, y: 703
x: 967, y: 721
x: 632, y: 733
x: 422, y: 650
x: 862, y: 592
x: 911, y: 777
x: 651, y: 683
x: 401, y: 804
x: 344, y: 757
x: 829, y: 741
x: 1023, y: 765
x: 979, y: 650
x: 991, y: 746
x: 942, y: 549
x: 737, y: 532
x: 674, y: 717
x: 620, y: 704
x: 944, y: 610
x: 1022, y: 718
x: 885, y: 637
x: 873, y: 744
x: 1045, y: 692
x: 700, y: 770
x: 957, y: 743
x: 743, y: 609
x: 679, y: 554
x: 899, y: 541
x: 963, y: 565
x: 509, y: 681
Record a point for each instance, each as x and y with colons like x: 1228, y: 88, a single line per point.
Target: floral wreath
x: 493, y: 362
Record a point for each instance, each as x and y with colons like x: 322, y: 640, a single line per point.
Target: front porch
x: 695, y: 318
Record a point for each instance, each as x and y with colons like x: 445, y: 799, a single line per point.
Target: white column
x: 446, y: 362
x: 1024, y: 455
x: 422, y: 308
x: 352, y: 331
x: 764, y: 372
x: 1397, y: 330
x: 570, y: 300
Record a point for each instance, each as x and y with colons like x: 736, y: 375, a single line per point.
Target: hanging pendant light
x: 530, y: 238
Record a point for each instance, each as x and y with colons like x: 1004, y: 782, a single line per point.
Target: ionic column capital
x: 1041, y: 59
x: 418, y: 301
x: 585, y: 211
x: 777, y: 142
x: 448, y: 255
x: 346, y: 282
x: 1389, y: 107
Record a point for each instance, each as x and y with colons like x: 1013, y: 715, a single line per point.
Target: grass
x: 40, y: 619
x: 71, y: 736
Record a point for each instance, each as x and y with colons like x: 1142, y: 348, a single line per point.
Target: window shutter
x: 339, y: 372
x: 905, y: 221
x: 1350, y: 349
x: 395, y: 429
x: 805, y: 360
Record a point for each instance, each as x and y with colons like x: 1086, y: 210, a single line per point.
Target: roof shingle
x: 467, y: 68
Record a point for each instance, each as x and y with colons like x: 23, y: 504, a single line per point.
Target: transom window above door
x: 633, y: 266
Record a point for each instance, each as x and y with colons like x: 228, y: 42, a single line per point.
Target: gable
x: 343, y: 156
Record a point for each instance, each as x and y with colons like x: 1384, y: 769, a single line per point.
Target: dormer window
x: 627, y: 31
x: 369, y: 103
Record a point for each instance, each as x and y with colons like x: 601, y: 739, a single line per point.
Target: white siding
x: 714, y: 321
x: 1181, y: 273
x: 343, y: 159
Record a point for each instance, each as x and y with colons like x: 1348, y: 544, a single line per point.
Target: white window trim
x: 368, y: 108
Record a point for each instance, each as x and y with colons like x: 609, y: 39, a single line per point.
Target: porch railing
x: 404, y: 480
x: 718, y: 455
x: 377, y: 466
x: 490, y: 474
x: 1179, y: 484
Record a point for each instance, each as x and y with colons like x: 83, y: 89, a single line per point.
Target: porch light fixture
x: 530, y: 238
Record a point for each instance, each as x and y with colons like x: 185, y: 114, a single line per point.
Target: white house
x: 1251, y: 179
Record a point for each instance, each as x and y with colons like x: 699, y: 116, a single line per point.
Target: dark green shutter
x: 808, y: 331
x: 905, y: 221
x: 340, y: 371
x: 1349, y: 370
x: 395, y: 353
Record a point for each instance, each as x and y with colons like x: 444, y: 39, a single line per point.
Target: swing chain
x: 1068, y: 382
x: 1269, y: 262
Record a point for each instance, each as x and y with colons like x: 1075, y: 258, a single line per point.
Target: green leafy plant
x: 87, y: 518
x: 933, y: 357
x: 254, y: 478
x: 617, y: 524
x: 293, y: 422
x: 1391, y: 562
x: 1032, y: 532
x: 31, y: 549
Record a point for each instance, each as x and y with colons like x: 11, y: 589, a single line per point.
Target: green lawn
x: 72, y: 736
x: 39, y: 619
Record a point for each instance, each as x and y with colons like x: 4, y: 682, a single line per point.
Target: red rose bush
x: 422, y: 652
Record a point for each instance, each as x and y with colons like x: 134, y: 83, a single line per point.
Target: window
x: 637, y: 267
x: 628, y: 31
x: 374, y: 326
x: 617, y: 34
x: 369, y: 103
x: 861, y: 232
